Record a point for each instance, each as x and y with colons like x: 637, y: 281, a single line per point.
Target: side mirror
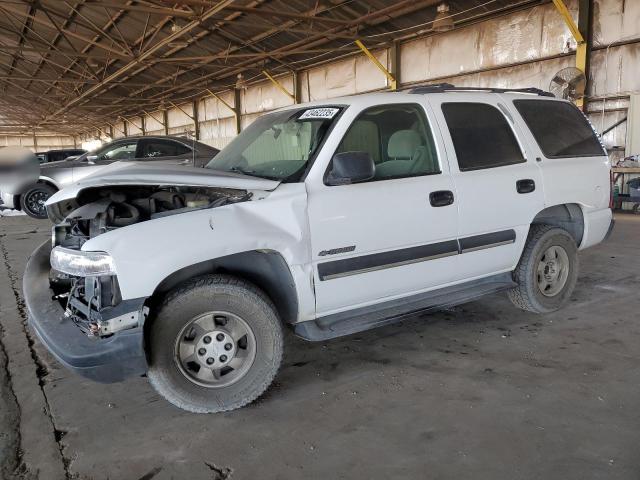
x: 351, y: 167
x: 91, y: 159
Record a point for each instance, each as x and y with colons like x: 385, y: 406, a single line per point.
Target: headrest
x: 403, y: 144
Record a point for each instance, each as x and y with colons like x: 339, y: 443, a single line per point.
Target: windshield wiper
x: 251, y: 173
x: 243, y: 171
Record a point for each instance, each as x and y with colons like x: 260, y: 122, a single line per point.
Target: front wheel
x: 547, y: 271
x: 216, y: 345
x: 32, y: 201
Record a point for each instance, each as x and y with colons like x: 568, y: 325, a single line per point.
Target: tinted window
x: 157, y: 148
x: 560, y: 129
x: 481, y: 136
x: 398, y: 139
x: 119, y: 151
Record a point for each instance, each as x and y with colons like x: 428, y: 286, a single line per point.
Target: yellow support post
x: 183, y: 111
x: 568, y: 19
x: 581, y: 50
x: 233, y: 110
x: 393, y: 84
x: 279, y: 86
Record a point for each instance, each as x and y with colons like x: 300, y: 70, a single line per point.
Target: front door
x: 120, y: 150
x: 500, y: 188
x: 393, y: 235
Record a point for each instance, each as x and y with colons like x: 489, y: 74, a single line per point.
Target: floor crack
x: 41, y: 368
x: 9, y: 464
x: 219, y: 473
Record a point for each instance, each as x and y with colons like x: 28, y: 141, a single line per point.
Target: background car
x: 56, y: 175
x: 60, y: 154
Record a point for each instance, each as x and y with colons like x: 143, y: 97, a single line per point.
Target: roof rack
x: 448, y: 87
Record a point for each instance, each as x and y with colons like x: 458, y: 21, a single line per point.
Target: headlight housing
x: 82, y: 264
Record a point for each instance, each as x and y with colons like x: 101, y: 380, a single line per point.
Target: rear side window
x: 158, y: 148
x: 560, y: 129
x: 481, y: 136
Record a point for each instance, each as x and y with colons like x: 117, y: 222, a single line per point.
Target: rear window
x: 481, y: 136
x: 560, y: 129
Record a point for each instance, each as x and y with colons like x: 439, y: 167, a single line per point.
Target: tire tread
x: 221, y: 283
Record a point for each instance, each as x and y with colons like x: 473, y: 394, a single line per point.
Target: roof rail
x: 448, y: 87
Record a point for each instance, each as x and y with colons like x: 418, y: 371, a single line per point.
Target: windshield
x: 277, y: 146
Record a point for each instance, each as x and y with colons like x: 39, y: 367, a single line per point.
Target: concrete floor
x: 480, y: 391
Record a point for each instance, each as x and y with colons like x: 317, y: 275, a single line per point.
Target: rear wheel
x: 547, y: 271
x: 32, y: 201
x: 216, y: 345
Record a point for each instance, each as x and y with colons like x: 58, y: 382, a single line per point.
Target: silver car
x: 56, y: 175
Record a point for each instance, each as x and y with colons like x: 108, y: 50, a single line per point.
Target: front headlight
x: 82, y: 264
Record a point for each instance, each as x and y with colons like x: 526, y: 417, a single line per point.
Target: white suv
x: 330, y: 218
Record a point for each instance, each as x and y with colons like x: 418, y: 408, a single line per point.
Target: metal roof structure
x: 69, y: 65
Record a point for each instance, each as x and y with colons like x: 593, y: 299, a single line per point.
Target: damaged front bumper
x: 104, y: 360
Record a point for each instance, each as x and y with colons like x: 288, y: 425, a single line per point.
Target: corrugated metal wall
x: 517, y: 50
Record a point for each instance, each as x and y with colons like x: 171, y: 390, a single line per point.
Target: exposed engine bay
x: 99, y: 210
x: 94, y: 302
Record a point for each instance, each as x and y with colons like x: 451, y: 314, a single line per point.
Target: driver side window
x: 121, y: 151
x: 398, y: 139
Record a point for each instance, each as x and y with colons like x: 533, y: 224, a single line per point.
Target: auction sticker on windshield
x: 319, y: 113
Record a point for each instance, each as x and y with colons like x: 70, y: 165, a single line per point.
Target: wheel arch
x: 42, y: 181
x: 48, y: 181
x: 567, y: 216
x: 267, y: 269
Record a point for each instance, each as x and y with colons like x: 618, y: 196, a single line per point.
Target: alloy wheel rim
x: 215, y: 349
x: 35, y: 202
x: 553, y: 271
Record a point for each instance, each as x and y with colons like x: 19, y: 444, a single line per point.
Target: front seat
x: 407, y: 156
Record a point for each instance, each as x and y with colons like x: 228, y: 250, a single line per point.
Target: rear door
x: 565, y: 143
x: 498, y: 183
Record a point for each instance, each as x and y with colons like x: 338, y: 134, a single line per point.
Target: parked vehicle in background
x: 58, y: 174
x: 330, y: 218
x: 57, y: 155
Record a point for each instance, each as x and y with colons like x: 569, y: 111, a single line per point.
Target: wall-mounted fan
x: 569, y: 84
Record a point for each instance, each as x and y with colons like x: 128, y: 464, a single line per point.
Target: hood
x: 159, y: 173
x: 66, y: 163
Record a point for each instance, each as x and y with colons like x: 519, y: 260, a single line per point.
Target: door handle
x: 525, y: 186
x: 441, y: 198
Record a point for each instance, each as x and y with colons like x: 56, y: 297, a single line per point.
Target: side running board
x: 366, y: 318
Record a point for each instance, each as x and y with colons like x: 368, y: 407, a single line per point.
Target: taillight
x: 611, y: 190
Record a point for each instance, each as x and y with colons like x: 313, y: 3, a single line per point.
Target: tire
x: 32, y: 201
x: 218, y: 307
x: 541, y: 270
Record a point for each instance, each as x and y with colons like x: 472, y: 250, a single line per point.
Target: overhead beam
x: 173, y: 12
x: 287, y: 14
x: 144, y: 55
x: 39, y: 21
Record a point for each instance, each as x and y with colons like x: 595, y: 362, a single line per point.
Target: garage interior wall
x: 39, y: 142
x: 522, y: 49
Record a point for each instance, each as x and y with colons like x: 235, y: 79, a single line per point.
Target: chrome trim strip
x: 450, y: 247
x: 488, y: 245
x: 389, y: 265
